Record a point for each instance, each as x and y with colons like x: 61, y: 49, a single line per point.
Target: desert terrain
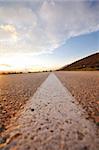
x: 84, y: 86
x: 15, y: 90
x: 58, y: 115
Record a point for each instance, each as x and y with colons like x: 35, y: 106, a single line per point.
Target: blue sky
x: 47, y: 34
x: 73, y: 49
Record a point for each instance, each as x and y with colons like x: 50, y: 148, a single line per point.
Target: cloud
x: 5, y: 65
x: 7, y: 31
x: 44, y: 26
x: 68, y: 19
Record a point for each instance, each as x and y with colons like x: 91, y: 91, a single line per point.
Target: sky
x: 38, y: 35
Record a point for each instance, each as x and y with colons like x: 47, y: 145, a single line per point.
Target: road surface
x: 52, y: 120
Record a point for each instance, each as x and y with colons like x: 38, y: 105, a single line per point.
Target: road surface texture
x: 52, y: 120
x: 84, y: 86
x: 15, y: 90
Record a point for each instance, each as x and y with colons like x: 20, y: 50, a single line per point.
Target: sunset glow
x: 46, y: 35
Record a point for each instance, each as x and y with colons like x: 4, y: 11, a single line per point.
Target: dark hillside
x: 88, y: 63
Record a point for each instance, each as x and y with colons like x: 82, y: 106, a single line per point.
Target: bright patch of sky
x: 47, y: 34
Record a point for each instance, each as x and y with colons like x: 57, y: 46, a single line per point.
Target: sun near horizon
x: 47, y: 35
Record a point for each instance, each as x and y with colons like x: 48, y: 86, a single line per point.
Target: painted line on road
x: 52, y: 120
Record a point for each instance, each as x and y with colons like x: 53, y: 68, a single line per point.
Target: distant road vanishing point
x: 52, y: 120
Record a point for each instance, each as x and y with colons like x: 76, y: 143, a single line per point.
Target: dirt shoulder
x: 15, y: 90
x: 84, y: 86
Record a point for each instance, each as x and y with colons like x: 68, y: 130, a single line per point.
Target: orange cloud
x: 5, y: 65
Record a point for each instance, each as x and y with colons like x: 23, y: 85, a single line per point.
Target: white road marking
x: 52, y: 120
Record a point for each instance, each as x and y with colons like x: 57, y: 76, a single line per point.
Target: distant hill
x: 88, y: 63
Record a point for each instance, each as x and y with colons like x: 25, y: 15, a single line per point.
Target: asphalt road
x: 52, y: 120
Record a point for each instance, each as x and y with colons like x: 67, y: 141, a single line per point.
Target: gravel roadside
x: 84, y: 86
x: 15, y: 90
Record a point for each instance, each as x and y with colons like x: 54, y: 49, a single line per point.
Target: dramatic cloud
x: 43, y: 26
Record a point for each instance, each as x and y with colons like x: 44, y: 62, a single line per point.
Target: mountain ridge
x: 90, y: 62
